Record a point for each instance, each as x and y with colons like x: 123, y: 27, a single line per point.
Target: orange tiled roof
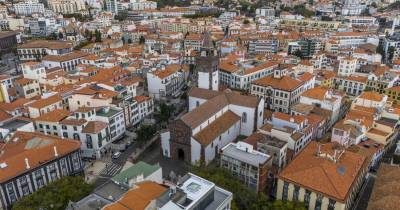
x: 334, y: 180
x: 54, y: 116
x: 371, y: 96
x: 216, y: 128
x: 45, y: 102
x: 139, y: 197
x: 29, y: 145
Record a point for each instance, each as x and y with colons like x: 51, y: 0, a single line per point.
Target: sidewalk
x: 92, y: 171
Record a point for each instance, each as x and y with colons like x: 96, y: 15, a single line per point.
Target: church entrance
x: 181, y: 154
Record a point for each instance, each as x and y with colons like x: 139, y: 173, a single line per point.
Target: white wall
x: 156, y: 176
x: 248, y: 126
x: 226, y: 138
x: 154, y: 85
x: 195, y: 151
x: 193, y: 102
x: 203, y: 80
x: 165, y: 146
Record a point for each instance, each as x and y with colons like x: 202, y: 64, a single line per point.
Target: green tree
x: 390, y: 53
x: 142, y: 40
x: 298, y: 53
x: 122, y: 15
x: 302, y: 10
x: 60, y: 35
x: 145, y: 133
x: 55, y: 195
x: 97, y: 34
x: 52, y: 36
x: 166, y: 112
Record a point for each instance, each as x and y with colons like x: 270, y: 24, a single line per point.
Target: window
x: 285, y: 191
x: 197, y: 103
x: 307, y: 196
x: 331, y: 205
x: 76, y: 136
x: 318, y: 202
x: 48, y: 126
x: 244, y: 117
x: 296, y: 193
x: 54, y: 127
x: 89, y: 143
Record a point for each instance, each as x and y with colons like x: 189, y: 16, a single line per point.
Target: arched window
x: 76, y: 136
x: 244, y: 117
x: 89, y: 143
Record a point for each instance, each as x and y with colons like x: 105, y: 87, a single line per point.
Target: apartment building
x: 347, y: 66
x: 263, y: 46
x: 27, y: 88
x: 354, y: 39
x: 262, y: 141
x: 280, y: 90
x: 378, y: 81
x: 37, y: 49
x: 167, y: 81
x: 67, y: 61
x: 45, y: 105
x: 326, y: 99
x: 29, y: 7
x: 142, y: 5
x: 310, y: 24
x: 295, y: 130
x: 314, y: 177
x: 66, y: 7
x: 91, y: 96
x: 249, y: 166
x: 33, y: 70
x: 23, y: 171
x: 353, y: 85
x: 202, y: 194
x: 241, y: 76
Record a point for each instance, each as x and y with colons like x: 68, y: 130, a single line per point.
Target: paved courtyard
x: 152, y: 156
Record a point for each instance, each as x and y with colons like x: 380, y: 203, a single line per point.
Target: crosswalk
x: 110, y: 170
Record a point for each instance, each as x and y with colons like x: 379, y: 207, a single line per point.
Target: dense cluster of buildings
x: 300, y: 108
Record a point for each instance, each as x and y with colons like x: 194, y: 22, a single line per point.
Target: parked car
x: 116, y: 155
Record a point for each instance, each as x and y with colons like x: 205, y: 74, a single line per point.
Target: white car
x: 116, y: 155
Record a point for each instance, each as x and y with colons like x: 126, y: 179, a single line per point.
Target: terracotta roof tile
x: 54, y: 116
x: 29, y: 145
x: 333, y: 179
x: 139, y: 197
x: 94, y: 127
x: 217, y: 127
x: 45, y: 102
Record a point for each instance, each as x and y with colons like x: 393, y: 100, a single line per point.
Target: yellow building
x: 324, y: 177
x: 309, y: 24
x: 382, y: 131
x: 325, y: 78
x: 393, y: 93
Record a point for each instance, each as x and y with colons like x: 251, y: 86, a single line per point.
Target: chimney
x: 55, y: 151
x: 27, y: 163
x: 319, y: 150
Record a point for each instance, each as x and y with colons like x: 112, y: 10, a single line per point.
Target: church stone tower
x: 207, y: 65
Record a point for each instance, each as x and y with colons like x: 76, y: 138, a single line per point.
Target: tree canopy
x: 145, y: 133
x: 55, y: 195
